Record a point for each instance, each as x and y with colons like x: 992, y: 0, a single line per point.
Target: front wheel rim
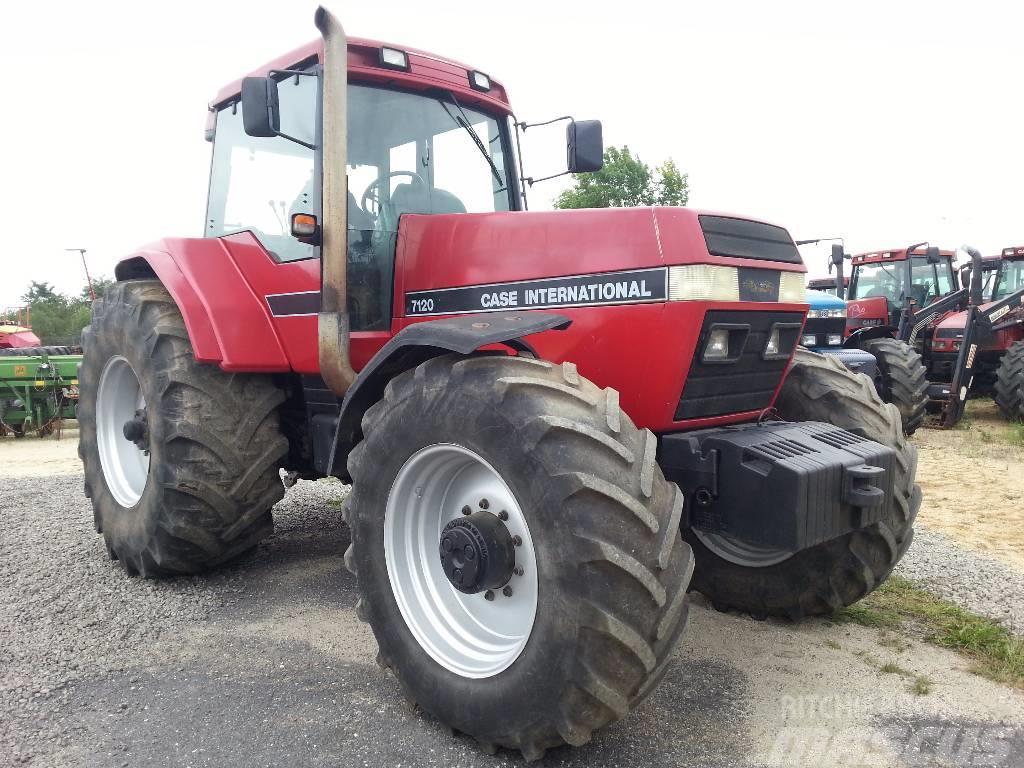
x: 472, y: 635
x: 118, y: 398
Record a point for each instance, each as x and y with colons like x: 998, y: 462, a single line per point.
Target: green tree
x: 99, y: 285
x: 40, y: 291
x: 625, y: 180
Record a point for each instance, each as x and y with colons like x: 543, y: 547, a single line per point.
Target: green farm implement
x: 38, y: 389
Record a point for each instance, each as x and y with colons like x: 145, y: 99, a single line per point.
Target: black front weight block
x: 780, y: 484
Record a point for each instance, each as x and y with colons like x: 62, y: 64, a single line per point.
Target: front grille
x: 745, y: 384
x: 822, y: 328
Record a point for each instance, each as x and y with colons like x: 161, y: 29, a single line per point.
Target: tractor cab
x: 883, y: 281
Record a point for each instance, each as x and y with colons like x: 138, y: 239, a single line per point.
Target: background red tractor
x: 996, y: 322
x: 550, y: 420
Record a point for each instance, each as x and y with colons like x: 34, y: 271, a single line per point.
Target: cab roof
x: 1014, y: 252
x: 426, y: 71
x: 894, y: 254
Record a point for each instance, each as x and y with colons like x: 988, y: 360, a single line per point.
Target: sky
x: 884, y: 123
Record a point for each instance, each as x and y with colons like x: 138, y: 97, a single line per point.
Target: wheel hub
x: 136, y: 430
x: 477, y: 553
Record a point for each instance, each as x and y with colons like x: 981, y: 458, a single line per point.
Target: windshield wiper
x: 463, y: 121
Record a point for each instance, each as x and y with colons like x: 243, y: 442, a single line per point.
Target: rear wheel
x: 901, y: 379
x: 1009, y: 390
x: 836, y: 573
x: 517, y: 549
x: 180, y: 458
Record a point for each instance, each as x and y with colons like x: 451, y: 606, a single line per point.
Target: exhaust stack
x: 332, y: 322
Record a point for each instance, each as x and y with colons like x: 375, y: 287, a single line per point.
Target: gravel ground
x: 981, y: 584
x: 265, y: 664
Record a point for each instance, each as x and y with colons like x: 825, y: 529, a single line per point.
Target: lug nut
x: 517, y: 540
x: 484, y: 503
x: 470, y: 552
x: 488, y: 595
x: 507, y: 591
x: 466, y: 510
x: 518, y: 570
x: 503, y: 515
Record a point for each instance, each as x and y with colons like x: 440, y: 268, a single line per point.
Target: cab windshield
x: 928, y: 281
x: 408, y: 153
x: 1011, y: 279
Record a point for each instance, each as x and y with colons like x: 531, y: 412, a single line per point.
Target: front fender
x: 412, y: 346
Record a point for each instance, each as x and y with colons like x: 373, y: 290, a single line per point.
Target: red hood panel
x: 440, y: 251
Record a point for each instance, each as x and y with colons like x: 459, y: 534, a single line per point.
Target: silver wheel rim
x: 466, y: 634
x: 741, y: 552
x: 125, y: 467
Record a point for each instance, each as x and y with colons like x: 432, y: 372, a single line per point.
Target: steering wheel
x: 371, y: 195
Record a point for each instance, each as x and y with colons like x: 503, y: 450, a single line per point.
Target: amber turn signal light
x: 305, y: 228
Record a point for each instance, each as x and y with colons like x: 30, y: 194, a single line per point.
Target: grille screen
x: 748, y: 383
x: 726, y: 236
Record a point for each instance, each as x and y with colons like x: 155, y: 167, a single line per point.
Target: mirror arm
x: 531, y: 181
x: 525, y: 125
x: 297, y: 73
x: 305, y: 144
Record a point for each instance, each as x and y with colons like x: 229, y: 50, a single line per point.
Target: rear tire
x: 901, y: 379
x: 836, y: 573
x: 1009, y: 389
x: 214, y: 441
x: 604, y: 532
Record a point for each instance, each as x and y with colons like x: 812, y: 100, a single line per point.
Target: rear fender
x: 858, y: 338
x: 227, y: 323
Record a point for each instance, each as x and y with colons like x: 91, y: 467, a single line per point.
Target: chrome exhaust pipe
x: 332, y: 321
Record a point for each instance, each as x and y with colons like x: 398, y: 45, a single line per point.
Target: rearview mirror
x: 585, y: 146
x: 261, y: 113
x: 932, y: 254
x: 837, y: 254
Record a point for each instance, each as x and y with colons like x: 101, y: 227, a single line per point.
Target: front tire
x: 575, y: 476
x: 834, y: 574
x: 901, y: 379
x: 202, y: 495
x: 1009, y: 389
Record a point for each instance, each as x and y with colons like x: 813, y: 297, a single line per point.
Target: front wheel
x: 517, y: 549
x: 836, y: 573
x: 901, y: 379
x: 1009, y: 389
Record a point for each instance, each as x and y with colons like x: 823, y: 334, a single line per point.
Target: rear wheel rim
x: 467, y: 634
x: 125, y: 466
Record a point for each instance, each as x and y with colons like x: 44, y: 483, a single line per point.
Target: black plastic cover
x: 780, y: 484
x: 745, y: 239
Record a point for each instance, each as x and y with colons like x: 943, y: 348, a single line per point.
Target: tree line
x: 57, y: 318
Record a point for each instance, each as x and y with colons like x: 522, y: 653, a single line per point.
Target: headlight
x: 808, y: 340
x: 791, y: 288
x: 703, y: 282
x: 837, y: 312
x: 835, y: 339
x: 717, y: 347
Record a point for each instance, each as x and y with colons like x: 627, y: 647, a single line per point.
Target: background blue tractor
x: 825, y: 329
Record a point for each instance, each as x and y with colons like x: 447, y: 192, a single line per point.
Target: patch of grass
x: 986, y: 437
x: 965, y: 423
x: 921, y: 686
x: 335, y: 503
x: 996, y: 653
x: 1017, y: 435
x: 890, y: 668
x: 832, y: 644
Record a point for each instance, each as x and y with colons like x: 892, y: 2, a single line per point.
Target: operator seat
x: 417, y: 198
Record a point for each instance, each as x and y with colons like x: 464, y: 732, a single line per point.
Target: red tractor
x: 16, y: 329
x: 550, y: 420
x: 994, y: 322
x: 892, y: 296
